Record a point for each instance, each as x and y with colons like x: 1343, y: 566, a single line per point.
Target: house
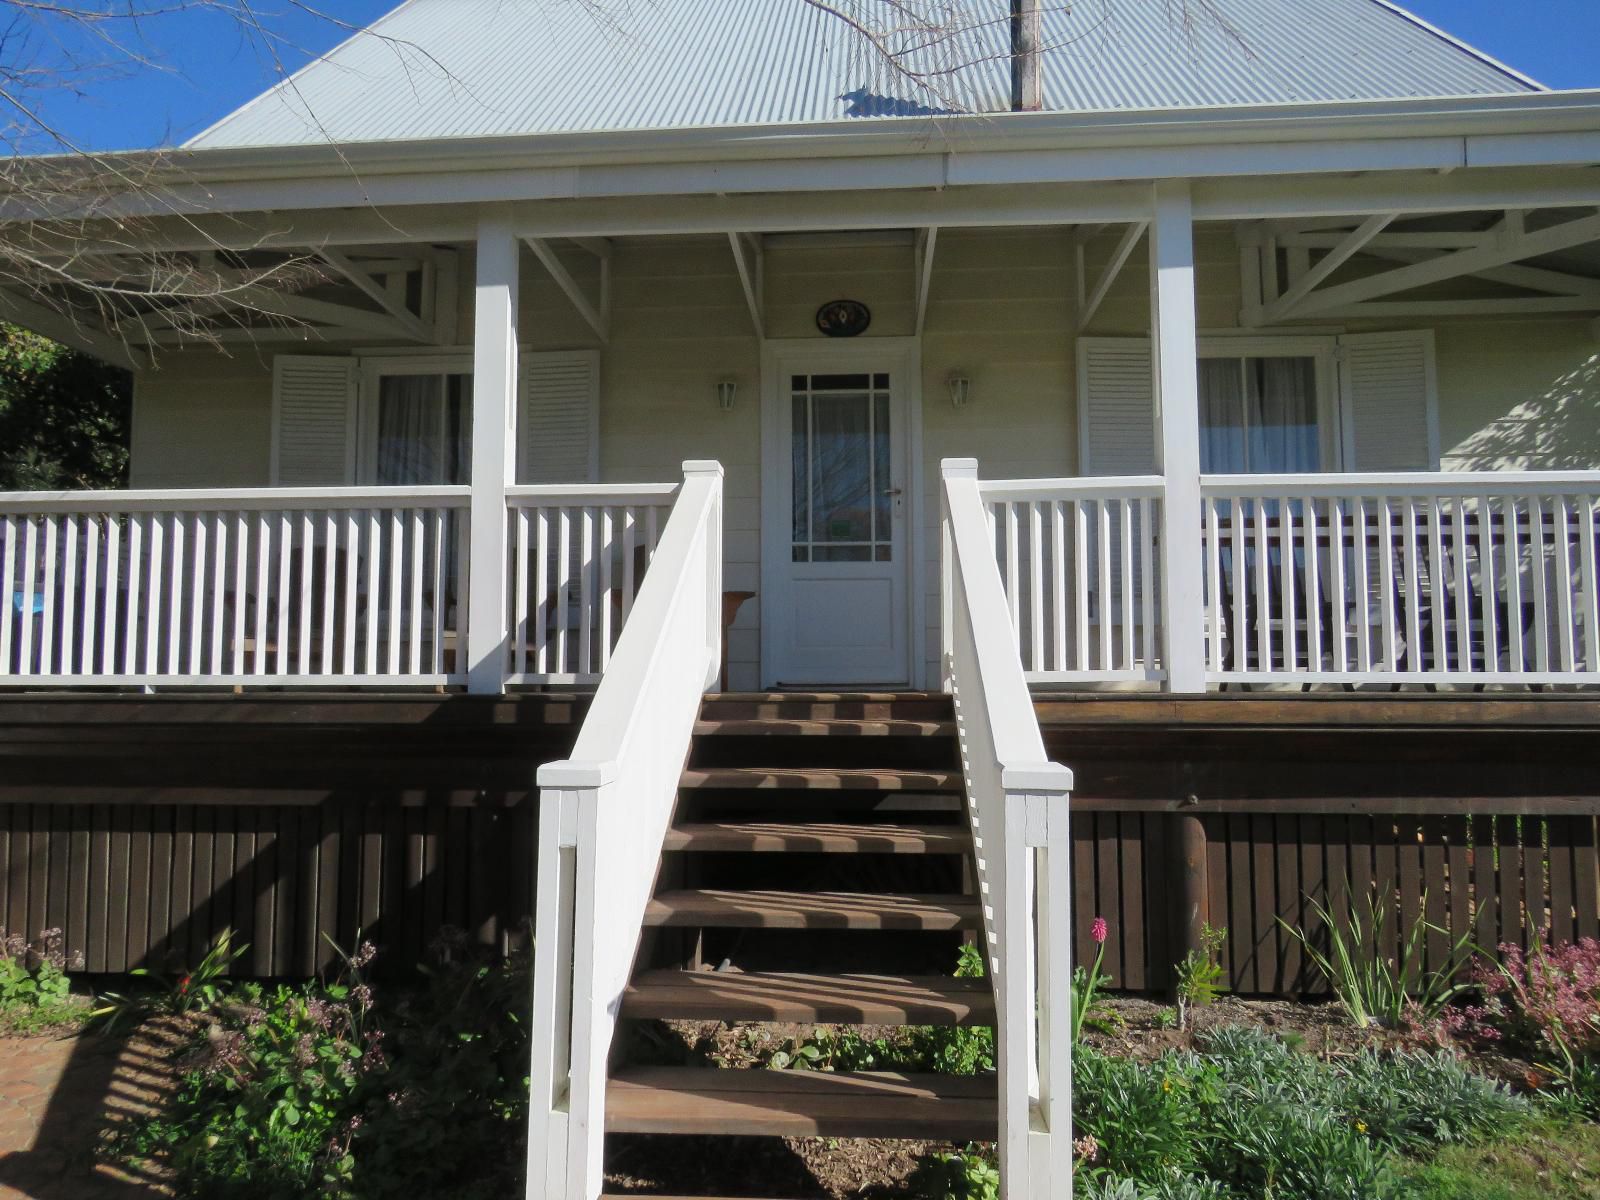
x: 1241, y: 377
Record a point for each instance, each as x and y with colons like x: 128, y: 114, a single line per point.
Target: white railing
x: 1017, y: 803
x: 1081, y: 574
x: 603, y: 816
x: 281, y: 586
x: 578, y: 558
x: 1468, y: 578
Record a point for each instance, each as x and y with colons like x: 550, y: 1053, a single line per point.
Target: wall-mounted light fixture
x: 960, y: 389
x: 727, y: 393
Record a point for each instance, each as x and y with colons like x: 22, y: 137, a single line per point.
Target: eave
x: 1439, y: 135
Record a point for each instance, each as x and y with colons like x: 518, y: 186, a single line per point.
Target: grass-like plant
x: 1374, y: 986
x: 196, y: 990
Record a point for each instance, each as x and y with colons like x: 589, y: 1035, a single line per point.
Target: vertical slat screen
x: 1437, y: 579
x: 575, y: 563
x: 1081, y: 576
x: 234, y: 593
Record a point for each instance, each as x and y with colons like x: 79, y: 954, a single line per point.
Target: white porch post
x: 494, y: 408
x: 1177, y: 391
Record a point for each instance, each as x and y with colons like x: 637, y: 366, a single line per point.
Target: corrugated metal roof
x: 465, y: 68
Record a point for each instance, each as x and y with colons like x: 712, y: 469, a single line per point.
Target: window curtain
x: 409, y: 431
x: 1222, y: 440
x: 1258, y: 415
x: 1283, y: 416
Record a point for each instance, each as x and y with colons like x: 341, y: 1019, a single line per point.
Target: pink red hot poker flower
x: 1098, y: 931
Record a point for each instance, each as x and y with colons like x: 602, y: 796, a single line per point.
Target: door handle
x: 893, y: 491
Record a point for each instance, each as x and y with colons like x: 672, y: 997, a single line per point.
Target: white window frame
x: 373, y: 370
x: 1324, y: 351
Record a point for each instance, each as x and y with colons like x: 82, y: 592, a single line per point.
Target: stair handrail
x: 1016, y: 800
x: 603, y: 817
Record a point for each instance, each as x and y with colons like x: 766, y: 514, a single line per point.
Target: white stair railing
x: 1017, y: 803
x: 603, y: 816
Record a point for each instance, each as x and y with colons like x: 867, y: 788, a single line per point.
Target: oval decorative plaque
x: 843, y: 318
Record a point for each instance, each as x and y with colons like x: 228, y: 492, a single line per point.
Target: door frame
x: 903, y: 357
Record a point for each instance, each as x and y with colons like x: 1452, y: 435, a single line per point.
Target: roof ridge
x: 1460, y: 43
x: 316, y: 60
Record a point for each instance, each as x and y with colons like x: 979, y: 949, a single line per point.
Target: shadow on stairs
x: 817, y: 872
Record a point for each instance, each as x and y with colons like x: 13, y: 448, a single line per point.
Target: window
x: 1266, y: 408
x: 843, y: 503
x: 417, y: 424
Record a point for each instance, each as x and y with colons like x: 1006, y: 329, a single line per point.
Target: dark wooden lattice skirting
x: 142, y: 825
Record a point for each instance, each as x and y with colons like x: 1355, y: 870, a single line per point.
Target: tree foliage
x: 63, y: 416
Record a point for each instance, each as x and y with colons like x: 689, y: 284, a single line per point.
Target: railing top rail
x: 1115, y: 486
x: 525, y: 495
x: 229, y: 499
x: 1408, y: 483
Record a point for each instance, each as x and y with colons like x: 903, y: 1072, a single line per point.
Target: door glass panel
x: 843, y: 510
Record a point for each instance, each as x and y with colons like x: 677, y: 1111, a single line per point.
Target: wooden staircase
x: 815, y: 873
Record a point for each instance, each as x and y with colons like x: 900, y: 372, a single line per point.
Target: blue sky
x: 208, y: 68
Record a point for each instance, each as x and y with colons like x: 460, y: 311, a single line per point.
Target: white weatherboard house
x: 1261, y: 356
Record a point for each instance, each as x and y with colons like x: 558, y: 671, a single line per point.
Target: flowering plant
x: 1546, y: 1001
x: 1087, y: 983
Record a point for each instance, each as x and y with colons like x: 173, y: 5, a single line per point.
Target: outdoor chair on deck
x: 1241, y: 647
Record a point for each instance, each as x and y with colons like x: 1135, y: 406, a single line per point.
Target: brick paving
x: 59, y: 1095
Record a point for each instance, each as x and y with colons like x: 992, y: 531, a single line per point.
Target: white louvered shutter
x: 1117, y: 394
x: 558, y: 433
x: 313, y: 421
x: 1118, y: 433
x: 1387, y: 390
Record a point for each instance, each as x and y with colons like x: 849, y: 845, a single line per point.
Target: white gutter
x: 1545, y: 129
x: 1465, y: 116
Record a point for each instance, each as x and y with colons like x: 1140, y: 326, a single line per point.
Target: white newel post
x: 494, y: 409
x: 712, y: 469
x: 1177, y: 390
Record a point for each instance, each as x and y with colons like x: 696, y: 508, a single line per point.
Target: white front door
x: 834, y: 539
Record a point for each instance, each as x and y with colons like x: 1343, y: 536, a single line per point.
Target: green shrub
x: 322, y: 1090
x: 970, y: 1175
x: 1248, y: 1116
x: 1146, y: 1119
x: 35, y: 992
x: 1200, y: 973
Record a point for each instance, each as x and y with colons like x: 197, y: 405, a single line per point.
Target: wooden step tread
x: 831, y: 999
x: 817, y: 837
x: 826, y: 697
x: 704, y: 1100
x: 811, y: 910
x: 821, y: 779
x: 790, y: 727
